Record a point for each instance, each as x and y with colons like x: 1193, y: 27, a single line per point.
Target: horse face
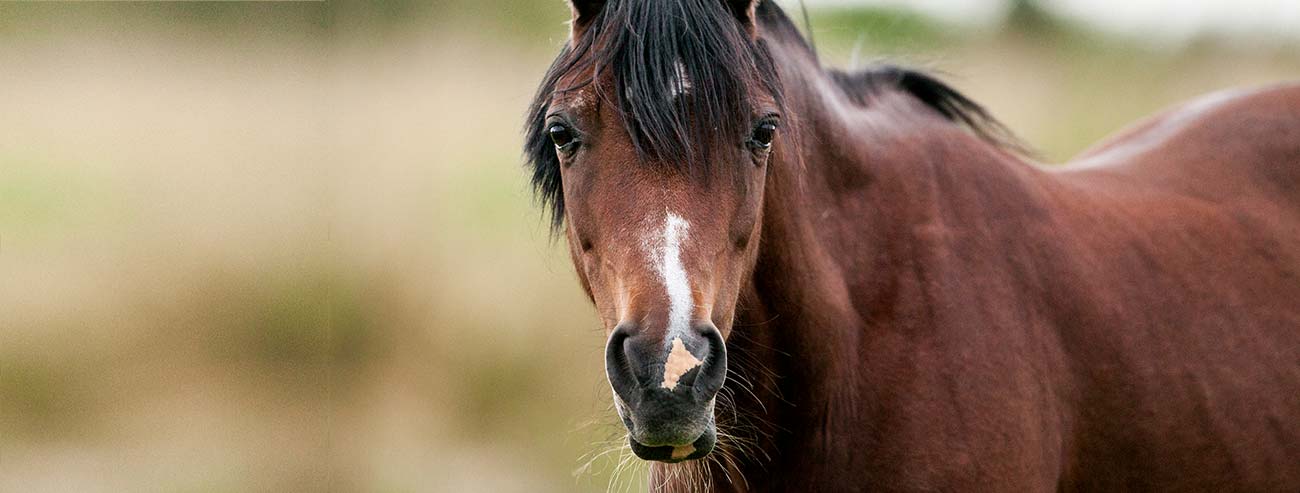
x: 662, y: 249
x: 662, y: 219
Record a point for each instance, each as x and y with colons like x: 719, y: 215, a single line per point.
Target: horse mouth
x: 676, y: 453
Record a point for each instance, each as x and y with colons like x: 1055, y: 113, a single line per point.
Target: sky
x: 1159, y: 21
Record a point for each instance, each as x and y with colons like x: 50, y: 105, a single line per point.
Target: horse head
x: 650, y: 140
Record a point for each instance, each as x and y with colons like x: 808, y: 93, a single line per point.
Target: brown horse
x: 893, y: 298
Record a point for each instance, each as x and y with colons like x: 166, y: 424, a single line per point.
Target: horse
x: 813, y: 279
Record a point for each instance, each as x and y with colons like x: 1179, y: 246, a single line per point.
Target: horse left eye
x: 763, y: 135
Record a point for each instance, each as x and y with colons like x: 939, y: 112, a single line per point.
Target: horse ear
x: 745, y: 12
x: 583, y: 12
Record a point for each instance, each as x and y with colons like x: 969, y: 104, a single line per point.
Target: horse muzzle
x: 665, y: 392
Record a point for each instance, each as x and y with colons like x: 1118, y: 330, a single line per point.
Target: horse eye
x: 763, y: 135
x: 561, y: 135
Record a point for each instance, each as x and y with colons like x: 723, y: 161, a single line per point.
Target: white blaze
x: 668, y: 263
x: 665, y: 250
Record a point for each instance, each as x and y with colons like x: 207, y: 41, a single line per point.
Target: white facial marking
x: 681, y: 83
x: 668, y: 263
x: 665, y: 250
x: 683, y: 452
x: 679, y: 362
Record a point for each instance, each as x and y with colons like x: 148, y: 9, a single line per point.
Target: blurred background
x: 290, y: 246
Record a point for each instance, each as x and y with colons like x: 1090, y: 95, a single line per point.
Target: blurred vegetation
x: 288, y: 246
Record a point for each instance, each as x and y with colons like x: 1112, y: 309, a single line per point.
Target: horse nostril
x: 713, y: 373
x: 617, y: 367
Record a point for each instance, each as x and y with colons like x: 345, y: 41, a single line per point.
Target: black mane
x: 645, y: 46
x: 859, y: 86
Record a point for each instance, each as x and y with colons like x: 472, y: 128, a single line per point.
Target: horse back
x: 1184, y: 326
x: 1220, y: 146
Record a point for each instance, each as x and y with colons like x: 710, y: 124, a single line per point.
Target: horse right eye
x: 763, y: 135
x: 561, y: 135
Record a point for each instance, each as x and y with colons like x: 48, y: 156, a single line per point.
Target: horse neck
x: 847, y: 208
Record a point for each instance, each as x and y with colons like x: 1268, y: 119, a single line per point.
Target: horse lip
x: 673, y: 454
